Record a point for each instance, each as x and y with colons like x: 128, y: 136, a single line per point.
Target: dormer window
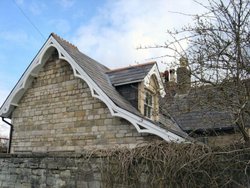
x: 141, y: 85
x: 148, y: 104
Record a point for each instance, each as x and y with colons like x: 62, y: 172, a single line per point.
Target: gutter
x: 10, y: 136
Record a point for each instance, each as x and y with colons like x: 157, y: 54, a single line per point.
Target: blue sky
x: 106, y: 30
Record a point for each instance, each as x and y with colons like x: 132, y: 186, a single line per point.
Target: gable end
x: 37, y: 64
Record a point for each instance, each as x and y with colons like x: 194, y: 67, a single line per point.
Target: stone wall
x: 49, y: 170
x: 58, y: 113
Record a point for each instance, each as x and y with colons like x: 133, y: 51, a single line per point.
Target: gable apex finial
x: 57, y: 37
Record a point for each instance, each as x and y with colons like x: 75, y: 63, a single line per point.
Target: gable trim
x: 142, y: 125
x: 155, y: 71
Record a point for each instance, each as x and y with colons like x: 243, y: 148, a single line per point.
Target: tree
x: 219, y: 54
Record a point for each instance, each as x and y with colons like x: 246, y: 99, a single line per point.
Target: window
x: 148, y: 104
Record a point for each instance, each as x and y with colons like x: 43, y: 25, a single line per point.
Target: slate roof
x: 97, y: 72
x: 205, y: 120
x: 202, y: 109
x: 131, y: 74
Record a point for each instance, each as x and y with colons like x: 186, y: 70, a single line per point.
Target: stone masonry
x: 58, y: 170
x: 58, y: 113
x: 49, y: 170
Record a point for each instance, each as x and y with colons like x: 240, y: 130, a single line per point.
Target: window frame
x: 148, y: 104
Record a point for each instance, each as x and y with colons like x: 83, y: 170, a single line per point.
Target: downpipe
x: 10, y: 135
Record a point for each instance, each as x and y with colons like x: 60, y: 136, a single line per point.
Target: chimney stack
x: 172, y: 75
x: 166, y: 76
x: 183, y: 77
x: 169, y: 82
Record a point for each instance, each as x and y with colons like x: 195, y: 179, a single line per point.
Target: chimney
x: 183, y: 77
x: 166, y: 76
x: 172, y: 75
x: 169, y: 82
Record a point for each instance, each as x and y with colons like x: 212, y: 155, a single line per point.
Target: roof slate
x: 97, y: 72
x: 130, y: 74
x: 204, y: 120
x: 202, y: 108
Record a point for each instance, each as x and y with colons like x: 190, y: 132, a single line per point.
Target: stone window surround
x: 153, y: 88
x: 148, y: 104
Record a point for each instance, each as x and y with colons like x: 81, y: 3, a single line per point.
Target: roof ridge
x: 62, y: 39
x: 131, y: 66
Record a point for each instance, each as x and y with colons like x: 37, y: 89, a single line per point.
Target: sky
x: 109, y: 31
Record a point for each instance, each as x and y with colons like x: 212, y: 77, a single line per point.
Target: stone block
x: 119, y: 135
x: 109, y: 135
x: 87, y: 107
x: 80, y: 113
x: 94, y: 129
x: 99, y: 122
x: 65, y: 173
x: 102, y: 128
x: 108, y: 122
x: 82, y: 184
x: 94, y: 184
x: 90, y: 117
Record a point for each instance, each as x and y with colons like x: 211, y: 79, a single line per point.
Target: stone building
x: 204, y: 111
x: 66, y: 101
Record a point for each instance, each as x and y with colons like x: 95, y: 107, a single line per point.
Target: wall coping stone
x: 50, y: 155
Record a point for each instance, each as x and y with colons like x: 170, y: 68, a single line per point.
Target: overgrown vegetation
x: 161, y: 164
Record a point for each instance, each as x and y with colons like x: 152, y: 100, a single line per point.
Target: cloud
x: 19, y: 2
x: 60, y: 25
x: 16, y: 37
x: 4, y: 130
x: 37, y: 7
x: 113, y: 35
x: 3, y: 95
x: 66, y: 3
